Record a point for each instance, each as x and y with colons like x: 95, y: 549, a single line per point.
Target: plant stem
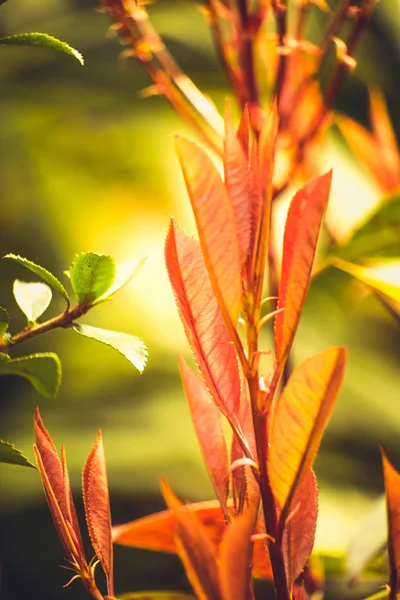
x: 63, y: 320
x: 280, y: 12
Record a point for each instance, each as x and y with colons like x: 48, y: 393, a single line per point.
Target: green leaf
x: 128, y: 345
x: 382, y: 277
x: 378, y: 237
x: 124, y: 272
x: 368, y: 541
x: 42, y: 370
x: 10, y: 454
x: 155, y: 596
x: 43, y: 40
x: 41, y: 272
x: 91, y: 275
x: 32, y: 298
x: 4, y: 321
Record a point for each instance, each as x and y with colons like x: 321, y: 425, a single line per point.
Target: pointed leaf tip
x: 215, y: 222
x: 97, y: 508
x: 202, y: 319
x: 303, y: 224
x: 300, y: 418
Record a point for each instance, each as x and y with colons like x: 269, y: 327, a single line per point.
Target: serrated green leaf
x: 378, y: 237
x: 41, y: 272
x: 124, y: 272
x: 4, y: 321
x: 128, y: 345
x: 43, y: 370
x: 91, y: 276
x: 150, y: 595
x: 11, y: 455
x: 383, y: 277
x: 42, y: 40
x: 32, y: 298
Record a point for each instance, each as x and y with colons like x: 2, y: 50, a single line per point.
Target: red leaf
x: 97, y: 509
x: 243, y: 132
x: 392, y: 487
x: 303, y: 224
x: 195, y: 549
x: 244, y: 484
x: 156, y: 532
x: 207, y: 422
x: 301, y: 415
x: 204, y: 325
x: 237, y: 181
x: 236, y: 557
x: 58, y: 492
x: 215, y: 222
x: 299, y: 533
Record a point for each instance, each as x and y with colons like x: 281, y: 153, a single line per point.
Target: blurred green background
x: 86, y: 164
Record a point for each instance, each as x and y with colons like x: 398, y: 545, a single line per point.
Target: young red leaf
x: 204, y: 325
x: 301, y: 415
x: 236, y: 557
x: 97, y: 509
x: 215, y: 222
x: 299, y: 533
x: 57, y: 489
x: 237, y: 181
x: 157, y: 532
x: 303, y: 224
x: 195, y: 549
x: 392, y: 487
x: 243, y: 132
x: 208, y: 425
x: 64, y: 529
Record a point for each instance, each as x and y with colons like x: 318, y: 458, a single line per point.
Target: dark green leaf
x: 41, y: 272
x: 32, y: 298
x: 42, y: 370
x: 378, y: 237
x: 91, y: 275
x: 4, y: 321
x: 128, y: 345
x: 10, y: 454
x: 43, y: 40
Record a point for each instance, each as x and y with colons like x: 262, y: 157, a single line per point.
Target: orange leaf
x: 303, y: 224
x: 58, y: 492
x: 243, y: 132
x: 64, y: 529
x: 204, y: 324
x: 215, y: 222
x: 236, y: 557
x: 157, y: 532
x: 97, y: 509
x: 237, y: 180
x: 207, y: 422
x: 301, y: 415
x: 195, y: 549
x: 389, y: 154
x: 299, y: 534
x: 392, y: 487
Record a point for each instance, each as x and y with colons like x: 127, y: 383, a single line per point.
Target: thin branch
x: 64, y: 320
